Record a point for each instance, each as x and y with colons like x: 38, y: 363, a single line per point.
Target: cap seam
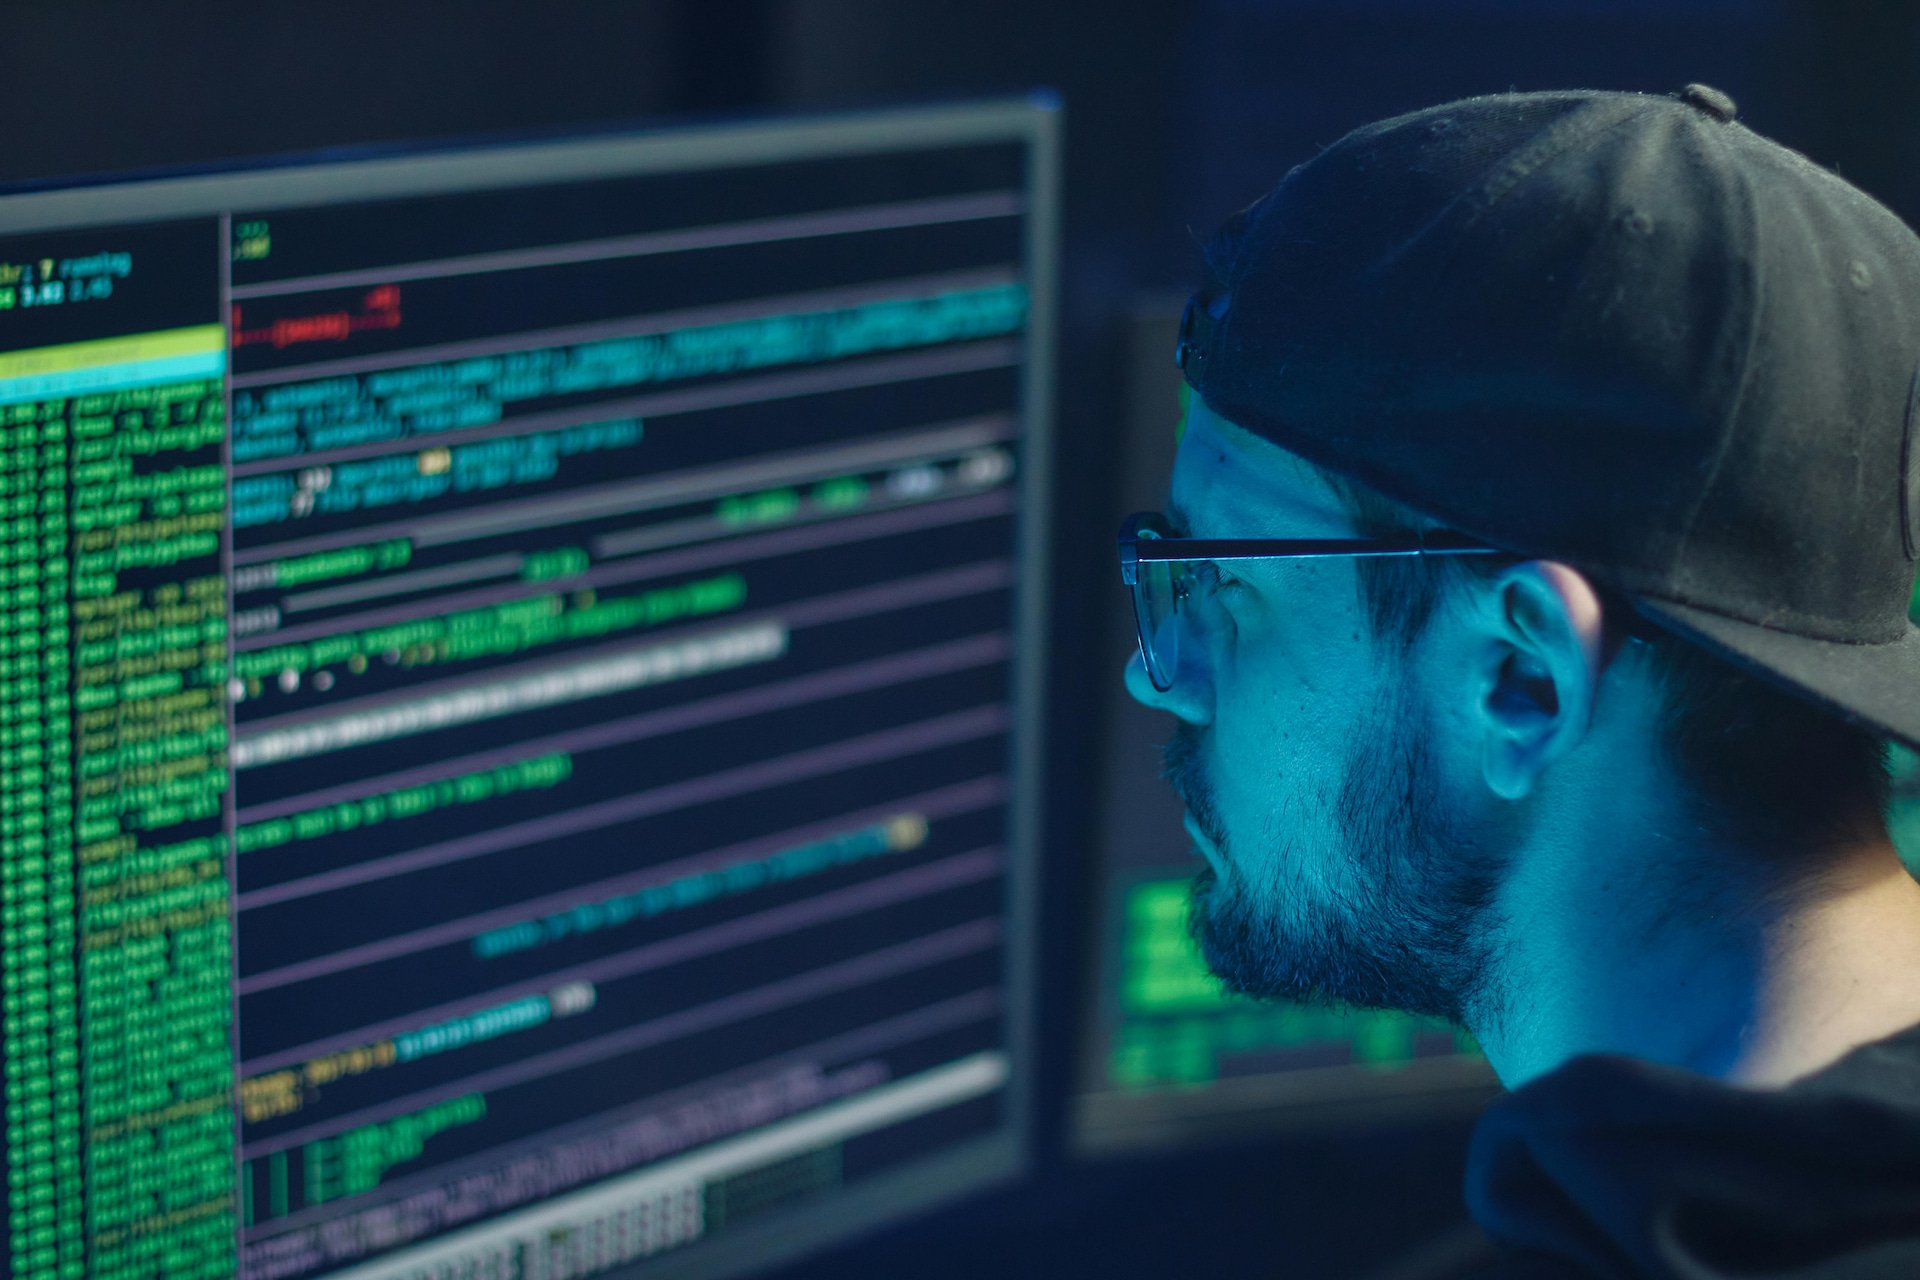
x: 1734, y: 420
x: 1534, y: 163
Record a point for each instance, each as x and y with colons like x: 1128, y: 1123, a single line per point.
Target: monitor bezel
x: 596, y: 152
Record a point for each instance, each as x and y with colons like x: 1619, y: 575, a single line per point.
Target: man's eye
x: 1209, y: 577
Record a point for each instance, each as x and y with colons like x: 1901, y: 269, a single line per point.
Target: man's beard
x: 1396, y: 917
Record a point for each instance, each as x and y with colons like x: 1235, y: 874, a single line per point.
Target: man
x: 1555, y: 461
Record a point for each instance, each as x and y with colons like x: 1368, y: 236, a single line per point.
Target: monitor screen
x: 517, y: 738
x: 1165, y: 1057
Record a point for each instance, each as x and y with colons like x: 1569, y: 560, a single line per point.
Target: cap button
x: 1710, y: 100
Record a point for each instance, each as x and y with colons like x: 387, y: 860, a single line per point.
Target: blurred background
x: 1175, y: 114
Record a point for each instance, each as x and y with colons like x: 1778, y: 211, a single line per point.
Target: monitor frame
x: 466, y: 165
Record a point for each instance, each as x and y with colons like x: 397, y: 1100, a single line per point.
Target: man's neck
x: 1660, y: 953
x: 1844, y: 969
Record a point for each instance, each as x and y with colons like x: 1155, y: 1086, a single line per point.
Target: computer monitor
x: 517, y: 755
x: 1165, y: 1058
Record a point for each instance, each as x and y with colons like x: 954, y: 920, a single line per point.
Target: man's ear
x: 1540, y: 648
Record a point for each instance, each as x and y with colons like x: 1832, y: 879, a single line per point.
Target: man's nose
x: 1191, y: 697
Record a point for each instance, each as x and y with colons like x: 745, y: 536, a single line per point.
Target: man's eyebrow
x: 1177, y: 523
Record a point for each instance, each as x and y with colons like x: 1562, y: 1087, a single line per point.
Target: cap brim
x: 1874, y: 685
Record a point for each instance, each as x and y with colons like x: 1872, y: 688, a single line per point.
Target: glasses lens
x: 1155, y: 593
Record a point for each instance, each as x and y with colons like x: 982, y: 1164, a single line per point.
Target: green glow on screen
x: 1903, y: 814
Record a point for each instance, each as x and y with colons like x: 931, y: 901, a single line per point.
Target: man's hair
x: 1770, y: 770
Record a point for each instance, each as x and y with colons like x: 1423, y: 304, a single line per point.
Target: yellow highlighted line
x: 191, y: 341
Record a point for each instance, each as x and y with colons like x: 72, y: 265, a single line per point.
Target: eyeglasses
x: 1156, y: 566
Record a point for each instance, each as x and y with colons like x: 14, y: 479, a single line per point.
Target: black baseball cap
x: 1618, y: 330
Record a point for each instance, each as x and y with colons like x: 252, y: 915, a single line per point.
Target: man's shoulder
x: 1611, y: 1167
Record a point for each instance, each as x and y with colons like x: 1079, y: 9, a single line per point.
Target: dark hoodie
x: 1613, y: 1168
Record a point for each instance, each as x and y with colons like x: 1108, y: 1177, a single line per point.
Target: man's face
x: 1338, y: 866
